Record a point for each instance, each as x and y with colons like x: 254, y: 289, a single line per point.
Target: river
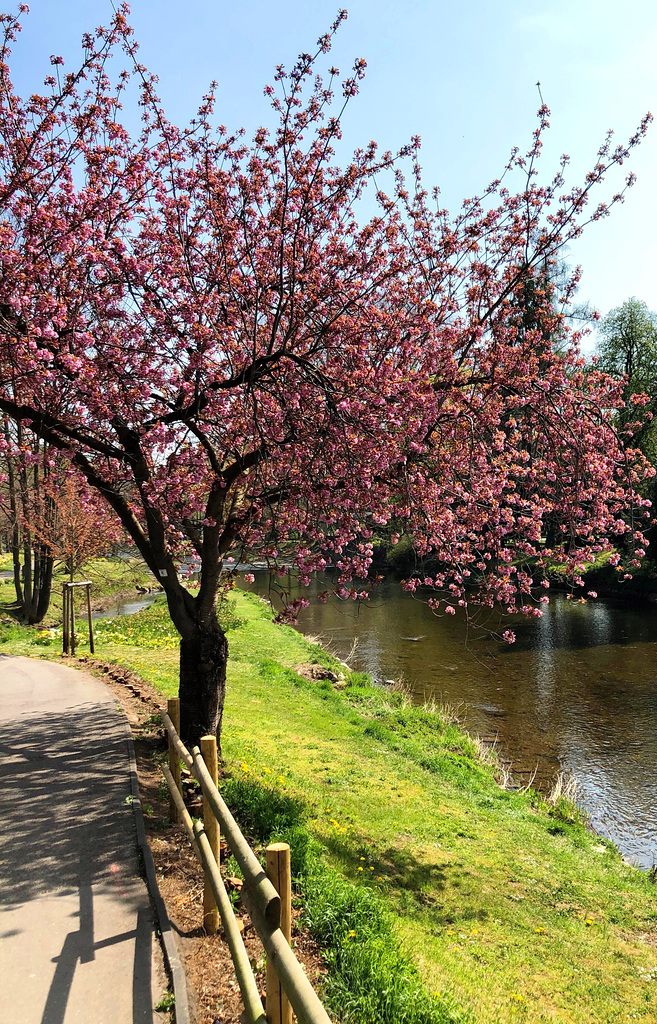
x: 576, y: 693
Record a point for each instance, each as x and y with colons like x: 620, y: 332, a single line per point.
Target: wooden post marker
x: 65, y: 618
x: 71, y: 606
x: 173, y: 710
x: 92, y: 649
x: 278, y: 1006
x: 211, y: 826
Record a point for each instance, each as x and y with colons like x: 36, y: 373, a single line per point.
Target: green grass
x: 507, y: 908
x: 370, y: 979
x: 608, y: 579
x: 108, y: 576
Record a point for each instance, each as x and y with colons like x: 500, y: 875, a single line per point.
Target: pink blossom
x: 235, y: 356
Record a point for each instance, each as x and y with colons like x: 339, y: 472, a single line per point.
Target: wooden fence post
x: 211, y: 826
x: 278, y: 1006
x: 71, y: 605
x: 173, y: 710
x: 92, y: 649
x: 65, y: 618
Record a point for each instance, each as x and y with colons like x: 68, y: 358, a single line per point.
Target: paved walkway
x: 76, y: 928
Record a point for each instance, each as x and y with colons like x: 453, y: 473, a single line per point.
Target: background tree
x: 212, y: 338
x: 70, y: 521
x: 627, y: 348
x: 24, y: 470
x: 49, y: 514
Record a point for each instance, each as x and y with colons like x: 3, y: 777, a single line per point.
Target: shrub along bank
x: 436, y: 895
x: 605, y: 578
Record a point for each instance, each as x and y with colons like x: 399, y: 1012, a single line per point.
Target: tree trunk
x: 27, y: 571
x: 16, y: 559
x: 42, y: 594
x: 203, y: 657
x: 15, y: 529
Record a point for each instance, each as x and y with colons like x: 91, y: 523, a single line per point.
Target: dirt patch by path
x: 213, y: 989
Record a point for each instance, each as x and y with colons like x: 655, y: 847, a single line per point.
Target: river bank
x: 606, y: 579
x: 575, y: 693
x: 511, y: 909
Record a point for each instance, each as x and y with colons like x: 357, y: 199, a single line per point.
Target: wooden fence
x: 68, y: 621
x: 266, y: 894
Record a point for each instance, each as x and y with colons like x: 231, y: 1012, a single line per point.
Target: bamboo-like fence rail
x: 266, y: 894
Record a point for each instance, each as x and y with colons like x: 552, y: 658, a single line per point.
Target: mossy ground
x: 512, y: 909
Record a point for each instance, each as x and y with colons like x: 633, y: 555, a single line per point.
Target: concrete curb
x: 176, y: 972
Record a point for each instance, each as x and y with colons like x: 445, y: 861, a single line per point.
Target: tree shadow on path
x: 69, y: 831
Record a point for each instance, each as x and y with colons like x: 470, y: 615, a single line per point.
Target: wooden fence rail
x: 250, y: 996
x: 287, y: 985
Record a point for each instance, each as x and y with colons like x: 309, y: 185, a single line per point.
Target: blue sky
x: 461, y: 75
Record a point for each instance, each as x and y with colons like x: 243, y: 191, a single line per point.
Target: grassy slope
x: 518, y: 913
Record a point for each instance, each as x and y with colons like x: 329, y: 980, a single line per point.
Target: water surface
x: 577, y: 692
x: 125, y: 606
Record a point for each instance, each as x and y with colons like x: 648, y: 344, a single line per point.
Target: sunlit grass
x: 511, y: 909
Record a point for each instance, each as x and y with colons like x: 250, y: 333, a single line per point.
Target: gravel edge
x: 175, y: 968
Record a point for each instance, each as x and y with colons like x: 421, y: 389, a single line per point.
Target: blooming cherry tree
x: 212, y: 337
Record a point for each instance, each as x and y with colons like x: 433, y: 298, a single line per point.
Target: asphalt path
x: 77, y: 933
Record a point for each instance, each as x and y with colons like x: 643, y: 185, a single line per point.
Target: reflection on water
x: 576, y: 692
x: 128, y: 607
